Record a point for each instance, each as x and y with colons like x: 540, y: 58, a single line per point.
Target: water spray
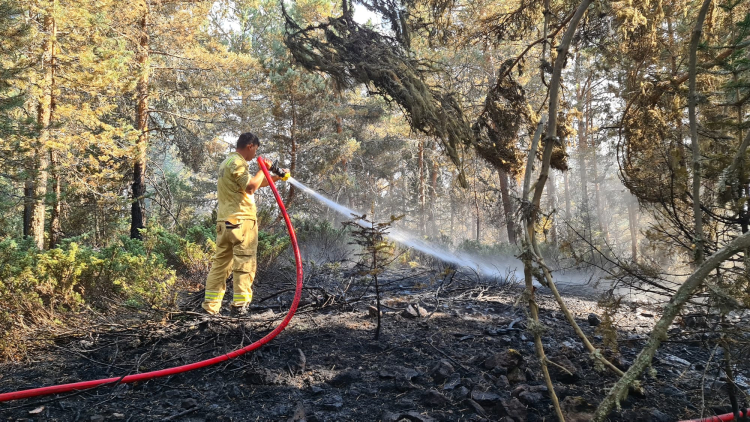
x: 413, y: 241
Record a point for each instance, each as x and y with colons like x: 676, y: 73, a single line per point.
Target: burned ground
x: 461, y: 354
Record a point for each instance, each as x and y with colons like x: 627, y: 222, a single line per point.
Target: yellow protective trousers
x: 236, y: 249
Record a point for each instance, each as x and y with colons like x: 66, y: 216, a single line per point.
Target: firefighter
x: 236, y: 228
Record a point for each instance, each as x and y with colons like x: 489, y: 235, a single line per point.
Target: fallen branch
x: 659, y: 333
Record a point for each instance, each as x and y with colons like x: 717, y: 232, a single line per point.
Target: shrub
x: 41, y: 287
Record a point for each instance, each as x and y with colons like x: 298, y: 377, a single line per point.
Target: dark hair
x: 246, y: 139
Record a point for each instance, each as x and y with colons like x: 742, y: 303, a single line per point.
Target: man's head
x: 247, y: 145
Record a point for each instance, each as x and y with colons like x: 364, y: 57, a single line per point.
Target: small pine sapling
x: 377, y: 253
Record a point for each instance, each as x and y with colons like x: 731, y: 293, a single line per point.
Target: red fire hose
x: 63, y: 388
x: 721, y: 418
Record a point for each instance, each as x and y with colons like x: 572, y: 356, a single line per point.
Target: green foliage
x: 270, y: 247
x: 489, y: 250
x: 41, y: 287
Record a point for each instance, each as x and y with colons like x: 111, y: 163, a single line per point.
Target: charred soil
x: 452, y: 348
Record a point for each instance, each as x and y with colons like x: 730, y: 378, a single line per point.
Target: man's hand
x: 276, y: 178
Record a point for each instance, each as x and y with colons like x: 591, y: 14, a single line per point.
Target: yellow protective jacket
x: 234, y: 202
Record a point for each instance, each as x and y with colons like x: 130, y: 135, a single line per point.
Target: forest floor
x: 462, y: 354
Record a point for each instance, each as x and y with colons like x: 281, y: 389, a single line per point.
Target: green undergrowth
x: 47, y: 288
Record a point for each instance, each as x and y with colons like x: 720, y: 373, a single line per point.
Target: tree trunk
x: 421, y: 187
x: 595, y: 170
x: 293, y: 151
x: 582, y: 152
x: 55, y: 228
x: 583, y: 177
x: 141, y: 117
x: 566, y: 183
x: 531, y: 250
x: 597, y: 196
x: 44, y: 119
x: 633, y: 223
x: 434, y: 170
x: 476, y: 207
x: 510, y: 224
x: 552, y: 195
x: 695, y: 37
x: 28, y: 201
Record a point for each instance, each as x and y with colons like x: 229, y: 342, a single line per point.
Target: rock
x: 297, y: 362
x: 559, y: 374
x: 345, y: 378
x: 502, y: 382
x: 97, y: 418
x: 411, y: 312
x: 485, y: 398
x: 433, y: 398
x: 646, y: 415
x: 118, y: 416
x: 508, y: 359
x: 514, y: 409
x: 299, y: 414
x: 476, y: 407
x: 528, y: 394
x: 388, y: 374
x: 452, y: 382
x: 279, y: 410
x: 695, y: 321
x: 407, y: 416
x: 442, y: 370
x: 673, y: 392
x: 36, y: 411
x: 461, y: 392
x: 576, y: 409
x: 372, y: 312
x: 658, y: 416
x: 515, y: 376
x: 675, y: 361
x: 189, y: 403
x: 594, y: 320
x: 316, y: 389
x: 620, y: 362
x: 334, y: 402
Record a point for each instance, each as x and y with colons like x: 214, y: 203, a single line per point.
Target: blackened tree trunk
x: 28, y: 200
x: 55, y: 226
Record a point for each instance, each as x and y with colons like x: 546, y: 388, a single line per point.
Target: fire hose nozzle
x: 277, y: 171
